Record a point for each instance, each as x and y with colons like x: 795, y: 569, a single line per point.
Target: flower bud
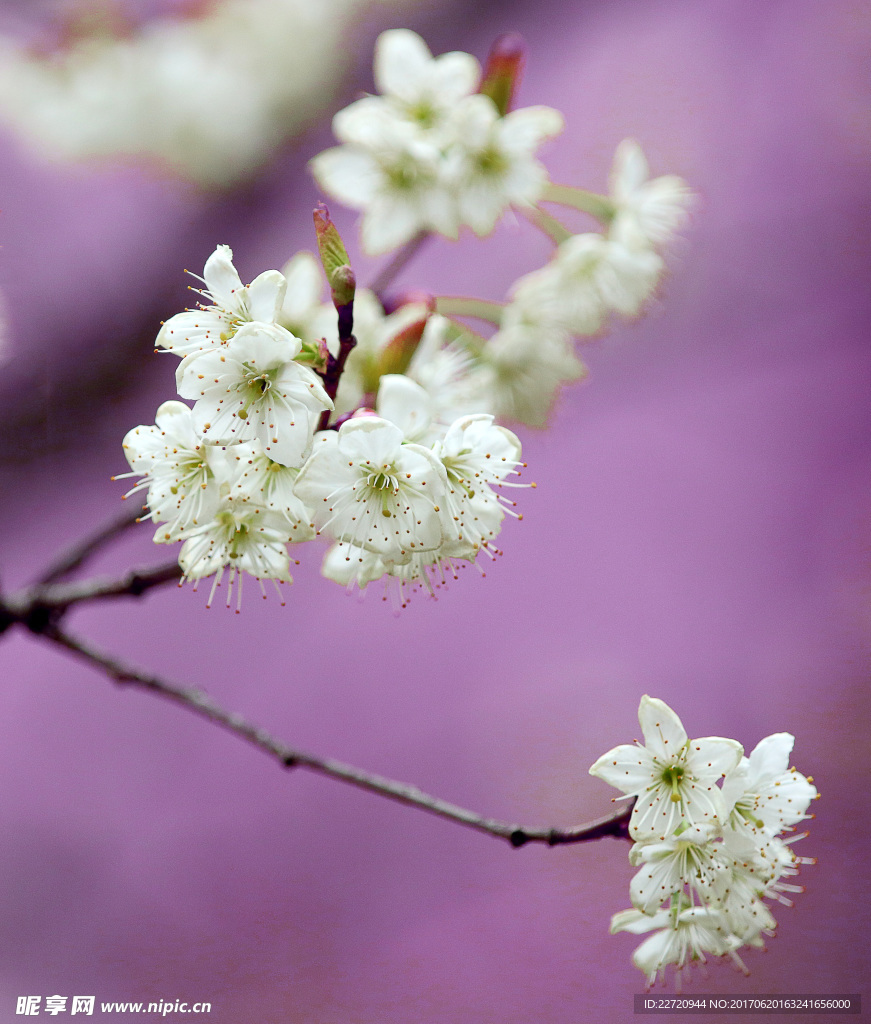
x: 334, y: 257
x: 397, y: 353
x: 503, y: 70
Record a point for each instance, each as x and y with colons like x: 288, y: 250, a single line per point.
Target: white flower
x: 759, y: 865
x: 687, y: 859
x: 407, y: 404
x: 251, y: 388
x: 652, y: 209
x: 256, y: 479
x: 591, y: 277
x: 454, y: 379
x: 762, y: 793
x: 492, y: 164
x: 746, y: 916
x: 526, y: 362
x: 210, y: 94
x: 428, y: 570
x: 672, y: 777
x: 230, y: 305
x: 417, y: 86
x: 351, y: 565
x: 712, y: 876
x: 302, y: 297
x: 477, y: 456
x: 474, y: 456
x: 369, y: 489
x: 178, y: 469
x: 395, y: 178
x: 241, y: 537
x: 684, y: 934
x: 429, y: 155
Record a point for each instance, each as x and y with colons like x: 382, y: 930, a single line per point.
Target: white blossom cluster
x: 431, y: 153
x: 211, y: 95
x: 594, y: 275
x: 405, y: 489
x: 708, y: 855
x: 398, y: 458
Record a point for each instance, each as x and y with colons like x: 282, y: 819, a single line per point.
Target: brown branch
x: 201, y: 704
x: 336, y: 364
x: 70, y: 560
x: 41, y: 607
x: 384, y: 277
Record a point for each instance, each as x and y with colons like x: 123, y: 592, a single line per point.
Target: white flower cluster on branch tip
x: 431, y: 153
x: 409, y: 478
x: 405, y: 490
x: 707, y: 855
x: 435, y: 153
x: 211, y: 95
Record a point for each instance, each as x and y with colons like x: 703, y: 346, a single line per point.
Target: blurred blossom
x: 210, y: 96
x: 430, y: 154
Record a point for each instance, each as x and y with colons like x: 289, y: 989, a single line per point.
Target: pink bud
x: 503, y: 70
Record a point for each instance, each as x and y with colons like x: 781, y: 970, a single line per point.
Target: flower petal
x: 711, y: 757
x: 664, y: 734
x: 525, y: 129
x: 655, y: 815
x: 222, y: 280
x: 265, y: 295
x: 454, y: 76
x: 770, y: 758
x: 629, y: 170
x: 388, y: 224
x: 627, y: 768
x: 350, y: 175
x: 401, y: 62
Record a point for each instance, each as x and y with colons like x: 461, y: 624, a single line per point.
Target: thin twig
x: 384, y: 278
x: 201, y: 704
x: 40, y: 607
x: 336, y: 364
x: 75, y: 556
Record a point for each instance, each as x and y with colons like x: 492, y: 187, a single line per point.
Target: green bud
x: 314, y: 354
x: 334, y: 258
x: 343, y: 284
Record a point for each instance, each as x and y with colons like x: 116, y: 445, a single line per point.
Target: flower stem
x: 554, y: 229
x: 385, y: 277
x: 477, y: 309
x: 597, y: 206
x: 336, y: 364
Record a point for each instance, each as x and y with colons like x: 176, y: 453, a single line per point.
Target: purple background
x: 700, y: 532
